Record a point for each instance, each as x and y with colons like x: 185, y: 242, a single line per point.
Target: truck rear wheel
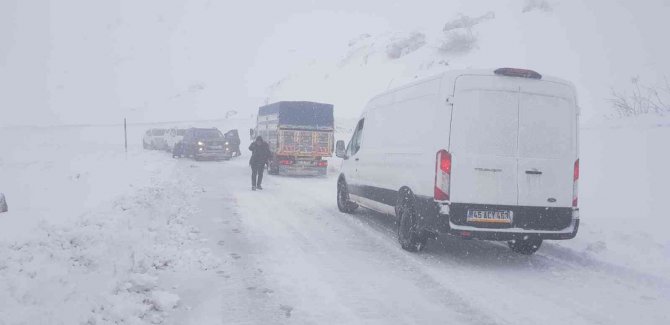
x: 273, y: 167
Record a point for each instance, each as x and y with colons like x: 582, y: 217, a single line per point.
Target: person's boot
x: 253, y: 188
x: 259, y: 187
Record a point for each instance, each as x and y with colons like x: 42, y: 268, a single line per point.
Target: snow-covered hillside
x: 569, y: 39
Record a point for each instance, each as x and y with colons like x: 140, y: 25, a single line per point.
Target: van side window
x: 355, y: 143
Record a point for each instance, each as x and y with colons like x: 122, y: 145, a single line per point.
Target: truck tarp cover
x: 300, y: 115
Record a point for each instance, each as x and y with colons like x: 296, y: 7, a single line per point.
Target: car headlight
x: 200, y: 143
x: 226, y: 142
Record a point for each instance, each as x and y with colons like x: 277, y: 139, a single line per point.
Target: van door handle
x: 533, y: 172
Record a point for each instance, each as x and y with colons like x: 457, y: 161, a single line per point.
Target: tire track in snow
x: 336, y: 268
x: 335, y: 248
x: 447, y: 253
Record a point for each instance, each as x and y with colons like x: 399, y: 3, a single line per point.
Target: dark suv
x: 202, y: 144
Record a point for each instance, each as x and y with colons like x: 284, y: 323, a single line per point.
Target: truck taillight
x: 575, y: 184
x: 442, y: 175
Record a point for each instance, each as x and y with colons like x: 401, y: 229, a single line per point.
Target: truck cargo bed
x: 304, y: 143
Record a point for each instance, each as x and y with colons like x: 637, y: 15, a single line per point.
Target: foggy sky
x: 81, y: 61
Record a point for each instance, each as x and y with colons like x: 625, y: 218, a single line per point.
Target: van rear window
x: 513, y: 118
x: 546, y: 126
x: 485, y: 122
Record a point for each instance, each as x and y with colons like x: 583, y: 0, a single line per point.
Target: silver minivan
x: 478, y: 154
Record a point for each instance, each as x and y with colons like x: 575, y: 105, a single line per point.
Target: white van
x: 172, y: 137
x: 478, y: 154
x: 154, y: 139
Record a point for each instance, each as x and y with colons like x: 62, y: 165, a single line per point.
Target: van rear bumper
x: 469, y: 232
x: 543, y: 222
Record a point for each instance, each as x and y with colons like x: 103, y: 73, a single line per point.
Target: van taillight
x: 322, y: 163
x: 442, y: 175
x: 575, y: 184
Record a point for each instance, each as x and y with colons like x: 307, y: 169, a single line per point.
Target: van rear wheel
x: 411, y: 238
x: 344, y: 204
x: 525, y: 246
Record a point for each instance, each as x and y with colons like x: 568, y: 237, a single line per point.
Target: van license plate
x: 491, y: 216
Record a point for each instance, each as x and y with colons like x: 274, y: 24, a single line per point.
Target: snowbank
x: 91, y: 229
x: 623, y: 189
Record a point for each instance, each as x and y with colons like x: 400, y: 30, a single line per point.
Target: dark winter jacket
x: 260, y: 153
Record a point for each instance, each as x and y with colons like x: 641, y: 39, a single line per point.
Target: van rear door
x: 547, y: 143
x: 483, y: 141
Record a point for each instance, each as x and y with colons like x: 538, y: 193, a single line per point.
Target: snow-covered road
x: 291, y: 257
x: 97, y: 236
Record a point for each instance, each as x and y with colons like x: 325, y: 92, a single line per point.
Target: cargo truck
x: 300, y: 135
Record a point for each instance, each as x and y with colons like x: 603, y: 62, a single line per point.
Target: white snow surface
x: 97, y: 236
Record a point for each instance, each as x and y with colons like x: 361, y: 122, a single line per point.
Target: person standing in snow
x: 260, y: 154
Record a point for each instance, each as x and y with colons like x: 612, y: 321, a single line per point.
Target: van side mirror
x: 340, y: 149
x: 3, y: 203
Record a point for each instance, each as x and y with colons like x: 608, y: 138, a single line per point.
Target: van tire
x: 525, y: 246
x: 411, y: 238
x: 344, y: 204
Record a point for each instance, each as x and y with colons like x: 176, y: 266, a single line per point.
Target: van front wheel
x: 344, y: 204
x: 411, y: 238
x: 526, y: 246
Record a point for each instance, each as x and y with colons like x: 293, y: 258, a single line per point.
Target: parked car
x: 3, y: 203
x: 477, y: 154
x: 154, y: 139
x: 172, y: 137
x: 203, y: 144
